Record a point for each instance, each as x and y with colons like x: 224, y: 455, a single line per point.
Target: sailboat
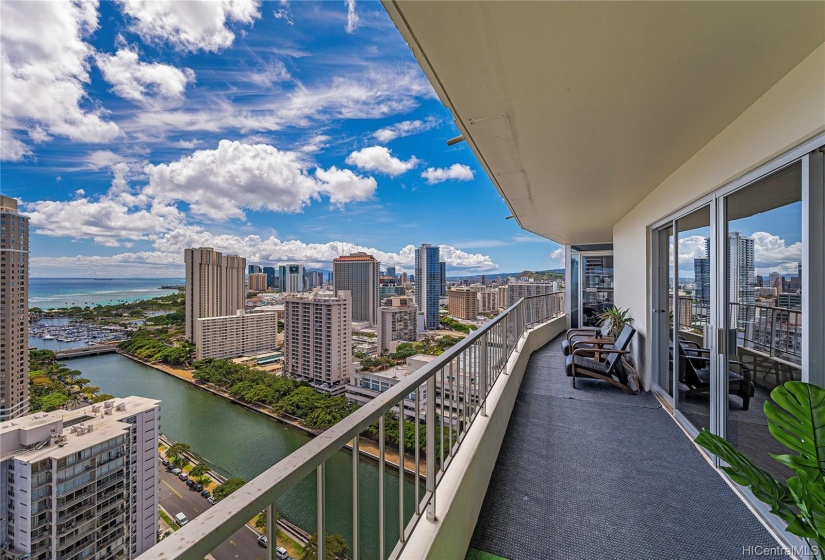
x: 47, y: 336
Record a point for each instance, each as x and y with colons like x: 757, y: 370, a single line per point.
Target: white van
x: 181, y: 519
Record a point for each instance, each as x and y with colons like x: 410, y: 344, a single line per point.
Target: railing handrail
x: 216, y: 524
x: 773, y: 307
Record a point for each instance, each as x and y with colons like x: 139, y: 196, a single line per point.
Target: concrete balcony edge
x: 464, y: 486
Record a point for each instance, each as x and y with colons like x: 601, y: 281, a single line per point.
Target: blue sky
x: 278, y: 131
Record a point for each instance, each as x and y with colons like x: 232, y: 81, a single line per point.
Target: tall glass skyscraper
x: 701, y: 271
x: 428, y: 283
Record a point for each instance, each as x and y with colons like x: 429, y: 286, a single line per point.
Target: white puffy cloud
x: 167, y: 260
x: 99, y: 159
x: 12, y: 149
x: 342, y: 185
x: 221, y: 183
x: 352, y: 16
x: 379, y: 158
x: 771, y: 253
x: 456, y: 172
x: 190, y: 26
x: 43, y: 73
x: 404, y: 128
x: 274, y: 250
x: 143, y: 82
x: 105, y: 219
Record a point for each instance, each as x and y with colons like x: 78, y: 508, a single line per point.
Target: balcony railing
x: 484, y: 353
x: 773, y: 331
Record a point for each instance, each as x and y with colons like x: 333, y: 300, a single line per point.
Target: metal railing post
x: 271, y: 531
x: 356, y: 514
x: 773, y: 332
x: 482, y: 373
x: 321, y: 537
x: 401, y: 420
x: 381, y: 452
x: 430, y: 429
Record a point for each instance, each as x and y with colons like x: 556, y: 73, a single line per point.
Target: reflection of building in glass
x: 701, y: 270
x: 741, y: 272
x: 776, y: 332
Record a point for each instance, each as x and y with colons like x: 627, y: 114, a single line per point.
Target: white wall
x: 792, y: 111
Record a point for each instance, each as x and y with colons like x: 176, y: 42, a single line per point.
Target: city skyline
x: 282, y: 133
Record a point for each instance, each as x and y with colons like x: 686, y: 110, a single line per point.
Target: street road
x: 175, y: 497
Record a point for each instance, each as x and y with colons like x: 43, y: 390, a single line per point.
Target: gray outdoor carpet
x: 597, y: 473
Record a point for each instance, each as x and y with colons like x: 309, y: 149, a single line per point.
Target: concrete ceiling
x: 578, y: 110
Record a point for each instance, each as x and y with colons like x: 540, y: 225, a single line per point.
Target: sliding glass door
x: 737, y: 302
x: 762, y: 285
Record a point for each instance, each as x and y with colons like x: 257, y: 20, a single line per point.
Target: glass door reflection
x: 597, y: 288
x: 690, y: 315
x: 762, y: 315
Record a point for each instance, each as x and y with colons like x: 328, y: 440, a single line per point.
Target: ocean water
x: 51, y: 293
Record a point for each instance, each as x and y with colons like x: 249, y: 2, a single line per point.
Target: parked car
x: 180, y: 519
x: 281, y: 554
x: 183, y: 476
x: 212, y: 500
x: 263, y: 541
x: 165, y: 463
x: 190, y: 483
x: 197, y: 487
x: 205, y: 493
x: 176, y: 472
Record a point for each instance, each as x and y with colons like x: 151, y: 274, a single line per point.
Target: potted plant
x: 617, y: 317
x: 798, y: 422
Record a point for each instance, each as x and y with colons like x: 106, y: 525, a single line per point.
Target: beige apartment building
x: 397, y: 323
x: 236, y: 335
x: 487, y: 301
x: 214, y: 285
x: 358, y: 274
x: 318, y: 340
x: 462, y: 303
x: 81, y: 483
x: 14, y: 310
x: 257, y: 282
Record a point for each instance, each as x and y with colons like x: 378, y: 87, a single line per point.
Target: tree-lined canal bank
x: 246, y: 443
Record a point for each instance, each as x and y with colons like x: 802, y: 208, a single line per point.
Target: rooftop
x: 22, y: 437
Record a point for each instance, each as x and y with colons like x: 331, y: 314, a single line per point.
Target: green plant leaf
x: 809, y: 495
x: 745, y: 473
x: 799, y: 425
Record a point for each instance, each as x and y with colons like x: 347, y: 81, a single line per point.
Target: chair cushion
x: 584, y: 363
x: 704, y: 376
x: 565, y: 347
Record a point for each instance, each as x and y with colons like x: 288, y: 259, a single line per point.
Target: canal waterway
x: 245, y: 444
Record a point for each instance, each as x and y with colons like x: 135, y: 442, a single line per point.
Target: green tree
x: 260, y: 522
x: 199, y: 471
x: 53, y: 401
x: 336, y: 548
x: 176, y: 451
x: 223, y: 490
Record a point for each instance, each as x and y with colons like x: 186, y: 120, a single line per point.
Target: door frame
x: 658, y: 357
x: 811, y: 154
